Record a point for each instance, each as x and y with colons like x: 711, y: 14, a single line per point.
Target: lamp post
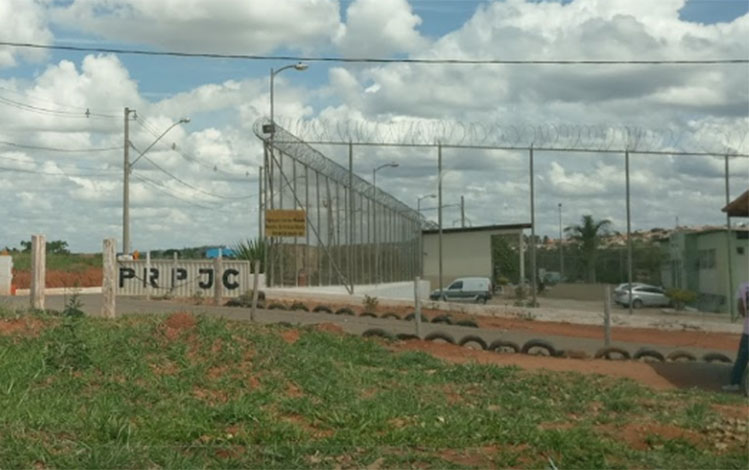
x: 374, y: 214
x: 299, y: 66
x: 561, y: 255
x: 421, y: 248
x: 128, y: 169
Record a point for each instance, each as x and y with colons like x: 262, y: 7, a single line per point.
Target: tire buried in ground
x: 467, y: 323
x: 473, y: 339
x: 406, y: 337
x: 681, y: 356
x: 536, y: 344
x: 442, y: 319
x: 438, y: 335
x: 502, y: 346
x: 299, y: 306
x: 276, y: 306
x: 612, y: 353
x: 284, y: 324
x: 345, y: 311
x: 716, y: 357
x: 378, y: 332
x: 412, y: 316
x: 648, y: 354
x: 322, y: 309
x: 390, y: 315
x: 368, y: 315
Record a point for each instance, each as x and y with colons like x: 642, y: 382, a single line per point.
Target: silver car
x: 643, y: 295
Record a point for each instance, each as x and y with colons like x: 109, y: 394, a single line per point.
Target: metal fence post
x: 417, y: 304
x: 607, y: 316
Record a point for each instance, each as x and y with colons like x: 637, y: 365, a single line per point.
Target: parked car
x: 465, y: 289
x: 643, y: 295
x: 621, y: 288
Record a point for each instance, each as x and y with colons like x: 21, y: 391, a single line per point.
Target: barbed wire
x: 302, y: 152
x: 550, y: 136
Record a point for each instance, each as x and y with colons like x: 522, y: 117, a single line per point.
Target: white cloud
x: 22, y: 21
x: 379, y: 28
x: 227, y: 26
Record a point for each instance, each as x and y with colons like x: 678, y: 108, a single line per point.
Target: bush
x: 370, y: 303
x: 681, y: 297
x: 67, y: 350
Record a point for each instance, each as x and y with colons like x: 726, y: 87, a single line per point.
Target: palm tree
x: 251, y: 250
x: 588, y: 235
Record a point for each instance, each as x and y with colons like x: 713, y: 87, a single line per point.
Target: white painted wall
x: 464, y: 253
x: 6, y: 274
x: 392, y: 290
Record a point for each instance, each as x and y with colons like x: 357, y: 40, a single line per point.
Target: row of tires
x: 545, y: 348
x: 444, y: 319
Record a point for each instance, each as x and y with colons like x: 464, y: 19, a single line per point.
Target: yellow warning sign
x: 285, y: 223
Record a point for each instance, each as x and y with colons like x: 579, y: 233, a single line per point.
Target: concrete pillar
x: 109, y: 278
x: 38, y: 270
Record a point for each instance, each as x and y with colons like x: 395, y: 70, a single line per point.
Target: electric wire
x: 205, y: 55
x: 57, y: 149
x: 195, y: 188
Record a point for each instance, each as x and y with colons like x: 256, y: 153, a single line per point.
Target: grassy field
x: 66, y: 262
x: 187, y: 392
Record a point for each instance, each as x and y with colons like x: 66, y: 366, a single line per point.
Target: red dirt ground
x: 656, y: 375
x: 21, y: 327
x: 91, y: 277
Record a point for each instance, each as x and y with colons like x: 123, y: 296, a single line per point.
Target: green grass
x: 226, y: 394
x: 68, y: 262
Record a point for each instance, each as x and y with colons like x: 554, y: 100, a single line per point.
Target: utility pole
x: 439, y: 215
x: 126, y: 187
x: 462, y: 212
x: 561, y: 254
x: 260, y: 204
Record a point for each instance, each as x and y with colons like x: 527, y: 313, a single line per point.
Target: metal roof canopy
x: 739, y: 207
x: 483, y: 228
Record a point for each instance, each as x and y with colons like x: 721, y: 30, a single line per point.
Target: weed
x: 66, y: 348
x: 370, y: 303
x: 197, y: 297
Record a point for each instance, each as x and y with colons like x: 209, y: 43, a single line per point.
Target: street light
x: 127, y: 169
x: 299, y: 66
x: 421, y: 198
x: 374, y: 214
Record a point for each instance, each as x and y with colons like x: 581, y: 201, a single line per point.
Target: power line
x: 21, y: 160
x: 54, y: 112
x: 195, y: 188
x: 57, y: 149
x: 61, y: 173
x: 146, y: 125
x: 77, y: 109
x: 160, y: 187
x: 206, y: 55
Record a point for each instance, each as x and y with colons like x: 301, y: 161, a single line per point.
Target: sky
x: 61, y: 112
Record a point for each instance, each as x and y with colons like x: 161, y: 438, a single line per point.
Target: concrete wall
x: 392, y: 290
x: 6, y: 274
x: 464, y: 253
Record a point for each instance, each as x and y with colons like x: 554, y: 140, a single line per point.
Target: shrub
x: 370, y: 303
x: 681, y: 297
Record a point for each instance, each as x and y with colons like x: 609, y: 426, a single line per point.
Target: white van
x: 465, y: 289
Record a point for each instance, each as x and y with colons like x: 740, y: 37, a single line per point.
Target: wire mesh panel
x: 355, y: 233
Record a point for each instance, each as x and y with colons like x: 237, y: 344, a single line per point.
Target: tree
x: 588, y: 236
x: 251, y: 250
